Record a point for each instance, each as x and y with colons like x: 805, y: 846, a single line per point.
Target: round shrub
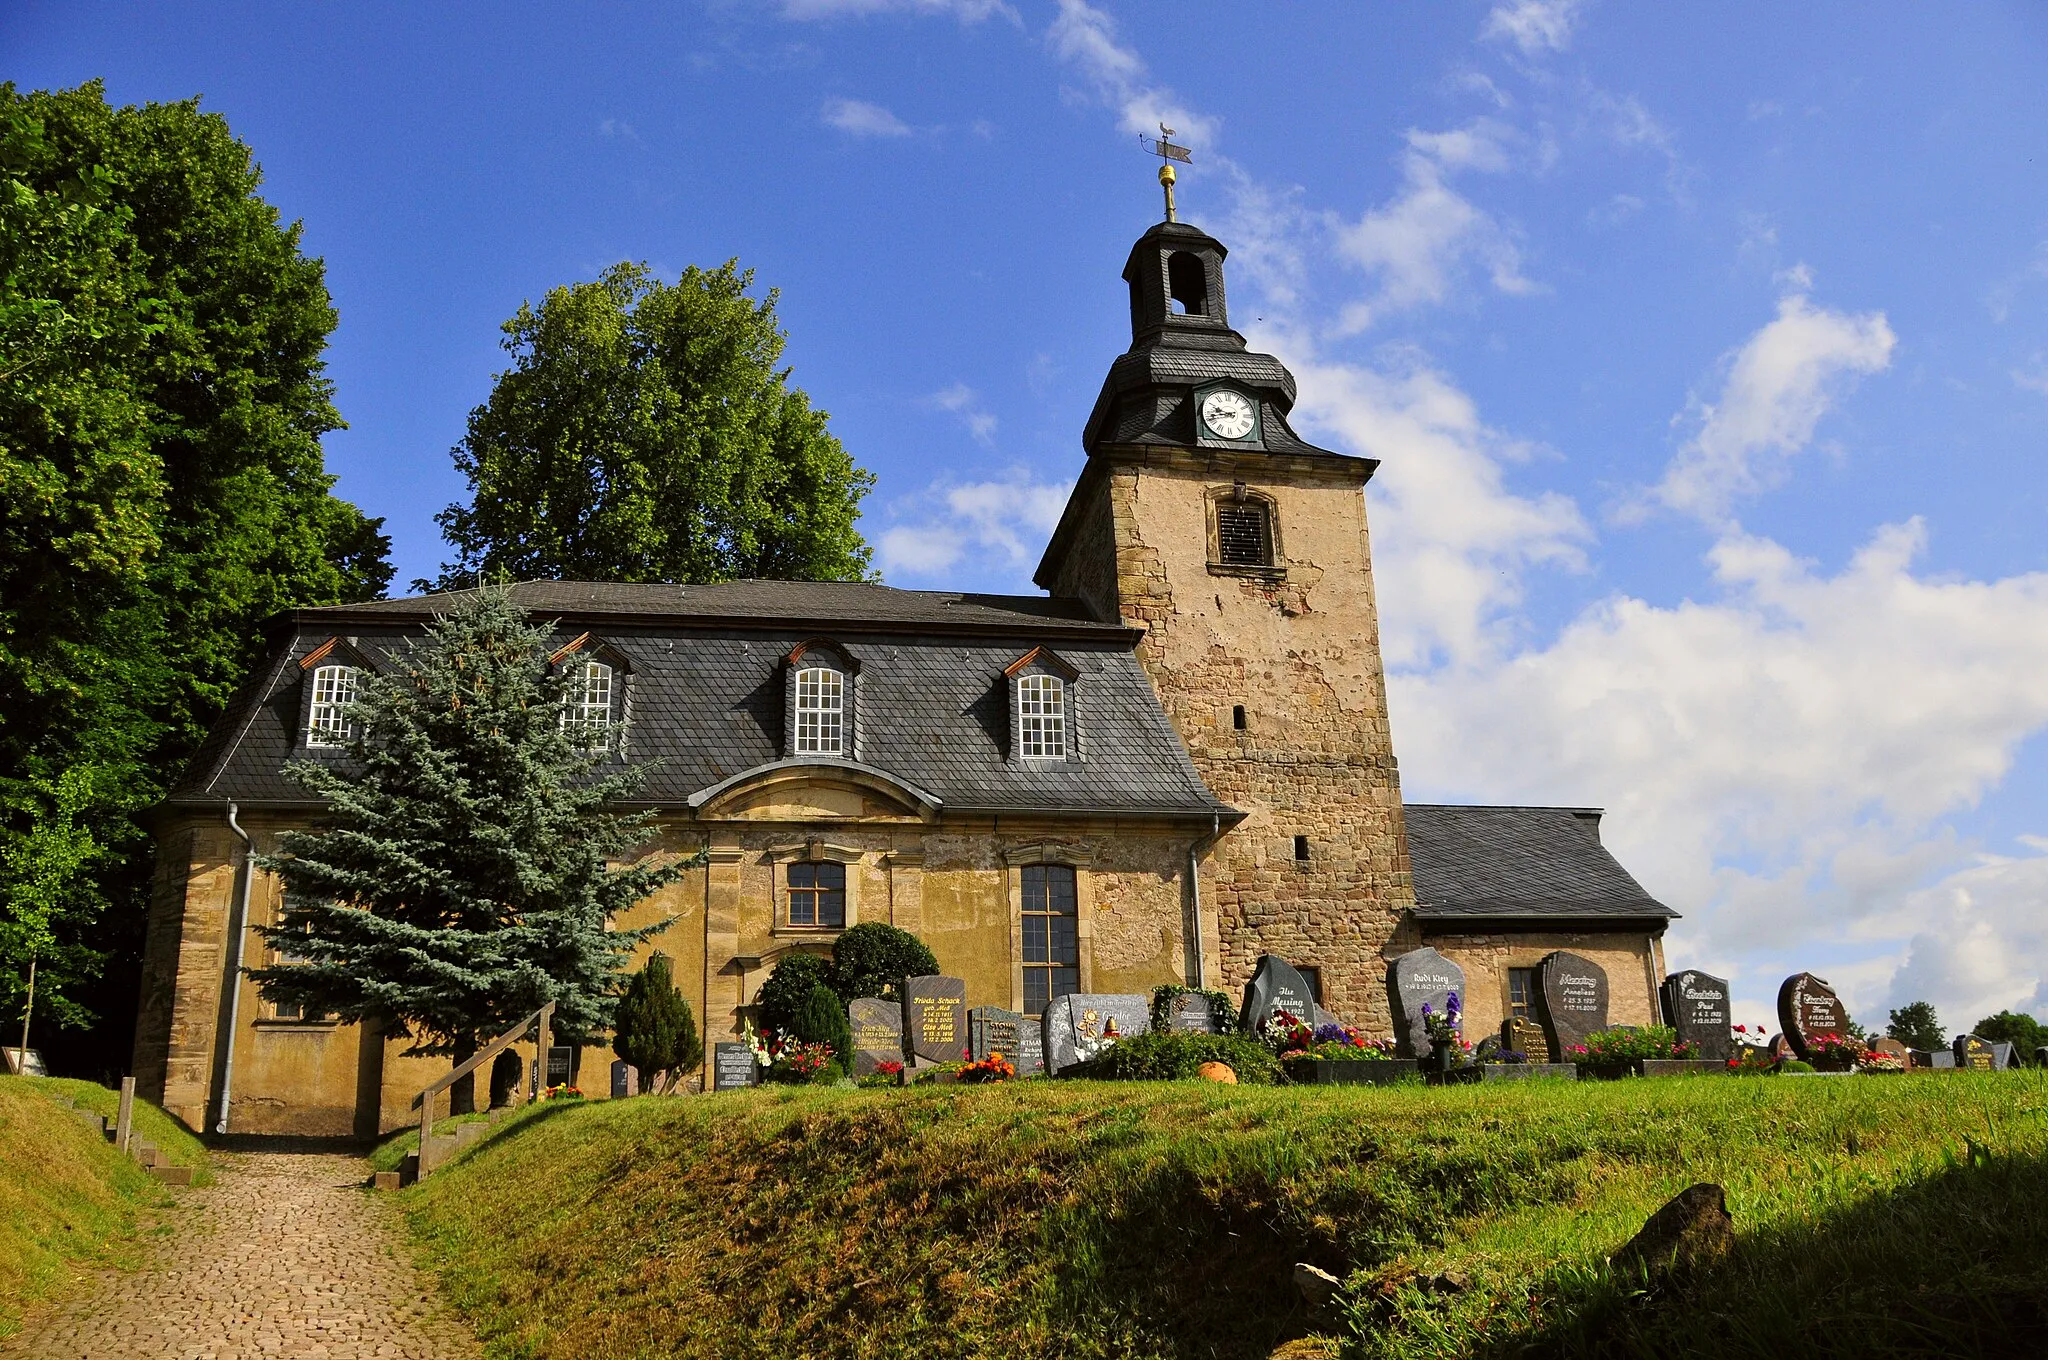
x: 788, y: 987
x: 1166, y: 1056
x: 822, y: 1020
x: 871, y: 958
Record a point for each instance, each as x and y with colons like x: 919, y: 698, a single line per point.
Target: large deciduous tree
x: 162, y: 487
x: 646, y: 433
x: 460, y: 876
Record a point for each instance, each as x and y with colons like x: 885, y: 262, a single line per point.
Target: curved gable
x: 814, y: 788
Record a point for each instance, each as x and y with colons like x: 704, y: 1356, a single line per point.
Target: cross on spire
x: 1162, y: 146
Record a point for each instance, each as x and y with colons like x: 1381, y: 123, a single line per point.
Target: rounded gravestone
x: 1418, y: 978
x: 1574, y: 992
x: 1276, y: 985
x: 1696, y: 1006
x: 1809, y: 1008
x: 877, y: 1033
x: 1975, y: 1054
x: 1083, y: 1025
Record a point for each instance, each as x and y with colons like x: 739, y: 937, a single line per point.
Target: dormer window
x: 1042, y: 717
x: 587, y: 711
x: 334, y: 689
x: 820, y: 711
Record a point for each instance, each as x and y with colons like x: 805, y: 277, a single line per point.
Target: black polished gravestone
x: 625, y: 1080
x: 934, y: 1017
x: 992, y: 1032
x: 1807, y: 1009
x: 562, y: 1065
x: 1080, y: 1026
x: 1276, y: 986
x: 1978, y: 1055
x: 1418, y: 978
x: 732, y: 1067
x: 1696, y: 1005
x: 877, y: 1033
x: 1190, y: 1013
x: 1574, y: 992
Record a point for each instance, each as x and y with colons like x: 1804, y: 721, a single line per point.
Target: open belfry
x: 1175, y: 761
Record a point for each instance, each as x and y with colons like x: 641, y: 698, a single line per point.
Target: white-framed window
x: 334, y: 689
x: 588, y: 708
x: 1042, y: 717
x: 820, y: 712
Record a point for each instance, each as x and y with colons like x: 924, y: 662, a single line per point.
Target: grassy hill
x: 1876, y: 1216
x: 68, y: 1200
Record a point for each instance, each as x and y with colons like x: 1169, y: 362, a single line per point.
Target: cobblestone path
x: 284, y: 1255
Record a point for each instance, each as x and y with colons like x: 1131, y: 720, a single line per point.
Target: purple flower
x: 1330, y: 1034
x: 1425, y: 1008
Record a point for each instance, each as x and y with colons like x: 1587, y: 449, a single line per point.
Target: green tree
x: 47, y: 894
x: 821, y: 1019
x: 1917, y: 1026
x: 788, y: 987
x: 2023, y: 1032
x: 162, y: 486
x: 873, y: 957
x: 459, y: 877
x: 645, y: 433
x: 653, y: 1028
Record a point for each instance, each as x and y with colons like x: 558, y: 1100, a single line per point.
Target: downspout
x: 1193, y: 953
x: 238, y: 926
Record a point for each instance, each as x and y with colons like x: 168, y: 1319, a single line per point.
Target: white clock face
x: 1227, y: 414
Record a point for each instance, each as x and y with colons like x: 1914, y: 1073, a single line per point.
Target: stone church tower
x: 1204, y: 519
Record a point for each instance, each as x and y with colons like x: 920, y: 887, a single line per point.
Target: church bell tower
x: 1241, y: 550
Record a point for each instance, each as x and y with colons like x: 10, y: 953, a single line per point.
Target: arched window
x: 334, y: 689
x: 1187, y: 280
x: 588, y: 708
x: 820, y: 712
x: 1042, y: 717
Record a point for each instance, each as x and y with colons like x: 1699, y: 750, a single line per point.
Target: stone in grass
x: 1317, y: 1287
x: 1690, y: 1231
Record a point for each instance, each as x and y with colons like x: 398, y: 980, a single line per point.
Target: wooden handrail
x: 542, y: 1017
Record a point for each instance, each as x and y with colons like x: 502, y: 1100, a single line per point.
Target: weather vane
x: 1163, y: 147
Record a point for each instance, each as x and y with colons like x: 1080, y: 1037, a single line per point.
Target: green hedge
x: 1160, y: 1056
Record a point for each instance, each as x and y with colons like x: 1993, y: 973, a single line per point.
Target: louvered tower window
x: 1244, y: 534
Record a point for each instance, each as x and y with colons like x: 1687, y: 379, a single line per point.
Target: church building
x: 1176, y: 760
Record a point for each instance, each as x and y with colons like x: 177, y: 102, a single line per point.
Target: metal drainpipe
x: 233, y: 978
x: 1195, y: 848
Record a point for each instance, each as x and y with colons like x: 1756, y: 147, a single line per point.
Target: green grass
x: 390, y: 1154
x: 68, y: 1200
x: 1875, y: 1216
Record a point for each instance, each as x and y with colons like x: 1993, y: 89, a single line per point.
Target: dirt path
x: 285, y: 1255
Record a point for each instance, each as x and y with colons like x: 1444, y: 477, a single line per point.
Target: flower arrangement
x: 995, y: 1067
x: 562, y: 1092
x: 1221, y: 1013
x: 788, y: 1059
x: 1610, y: 1052
x: 1835, y: 1052
x: 1285, y: 1034
x: 886, y: 1073
x: 1447, y: 1046
x: 1876, y: 1060
x: 1752, y: 1060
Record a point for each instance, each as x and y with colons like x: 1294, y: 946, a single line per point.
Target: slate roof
x: 1510, y: 863
x: 706, y: 686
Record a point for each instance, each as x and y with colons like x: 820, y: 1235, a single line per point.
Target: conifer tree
x: 822, y: 1020
x: 653, y: 1028
x: 459, y: 878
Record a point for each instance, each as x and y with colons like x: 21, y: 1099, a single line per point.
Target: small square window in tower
x: 1244, y: 533
x: 1052, y: 937
x: 820, y: 709
x: 817, y: 894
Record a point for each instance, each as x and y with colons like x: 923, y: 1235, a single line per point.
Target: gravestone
x: 25, y: 1062
x: 733, y: 1066
x: 1976, y: 1054
x: 1190, y: 1013
x: 1276, y: 986
x: 1696, y: 1005
x: 1030, y: 1048
x: 1781, y: 1047
x: 991, y: 1030
x: 934, y: 1017
x: 877, y: 1033
x: 2004, y: 1054
x: 1418, y: 978
x: 1574, y: 992
x: 1809, y: 1008
x: 561, y: 1065
x: 1525, y: 1037
x: 625, y: 1081
x: 1891, y: 1048
x: 2041, y: 1057
x: 1079, y: 1026
x: 1940, y: 1059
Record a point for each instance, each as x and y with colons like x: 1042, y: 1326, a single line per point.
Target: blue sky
x: 1705, y: 349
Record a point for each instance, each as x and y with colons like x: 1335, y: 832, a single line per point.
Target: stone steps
x: 147, y: 1155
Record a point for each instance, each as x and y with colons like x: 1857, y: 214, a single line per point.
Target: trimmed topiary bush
x: 788, y: 987
x: 822, y: 1020
x: 653, y: 1028
x: 1163, y: 1056
x: 871, y: 958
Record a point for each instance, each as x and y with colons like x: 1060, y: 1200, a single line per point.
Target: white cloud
x: 965, y: 402
x: 1779, y: 385
x: 2034, y: 377
x: 1534, y: 26
x: 1084, y: 37
x: 966, y: 11
x: 1007, y: 521
x: 617, y: 127
x: 858, y: 118
x: 1417, y: 246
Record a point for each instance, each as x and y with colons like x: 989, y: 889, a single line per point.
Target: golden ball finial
x: 1166, y: 175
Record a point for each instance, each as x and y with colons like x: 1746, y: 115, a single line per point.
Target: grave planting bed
x: 1079, y: 1219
